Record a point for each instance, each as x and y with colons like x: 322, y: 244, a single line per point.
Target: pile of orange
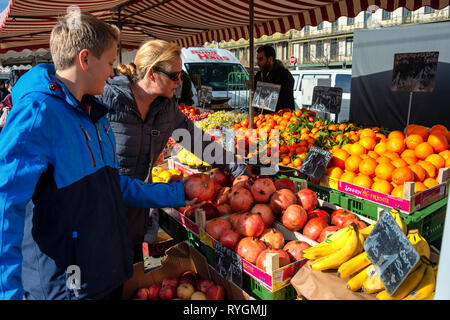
x: 384, y: 163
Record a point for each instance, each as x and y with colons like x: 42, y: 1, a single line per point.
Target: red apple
x: 185, y: 291
x: 198, y: 295
x: 216, y: 292
x: 167, y: 292
x: 204, y: 285
x: 170, y: 282
x: 154, y: 292
x: 143, y: 294
x: 187, y: 277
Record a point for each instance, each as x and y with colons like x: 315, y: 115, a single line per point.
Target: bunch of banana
x: 340, y: 247
x: 419, y: 285
x: 419, y: 243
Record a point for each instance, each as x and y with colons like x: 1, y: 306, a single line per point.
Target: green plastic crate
x: 172, y: 227
x: 257, y: 290
x: 203, y: 248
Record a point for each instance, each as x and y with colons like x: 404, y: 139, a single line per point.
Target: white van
x: 339, y: 78
x: 214, y: 66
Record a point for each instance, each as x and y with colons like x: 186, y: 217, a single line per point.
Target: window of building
x: 428, y: 10
x: 334, y: 48
x: 344, y: 81
x: 319, y: 49
x: 406, y: 16
x: 306, y: 29
x: 320, y: 26
x: 348, y: 46
x: 350, y: 21
x: 334, y: 26
x: 306, y: 52
x: 386, y: 15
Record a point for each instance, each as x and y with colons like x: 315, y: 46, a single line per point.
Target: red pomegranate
x: 284, y: 258
x: 211, y: 210
x: 224, y: 209
x: 265, y: 212
x: 272, y: 238
x: 190, y: 212
x: 219, y: 177
x: 250, y: 225
x: 285, y: 183
x: 359, y: 224
x: 313, y: 228
x: 234, y: 219
x: 240, y: 182
x: 282, y: 199
x: 262, y: 189
x: 249, y: 248
x: 294, y: 217
x: 230, y: 239
x: 295, y: 249
x: 326, y: 232
x: 199, y: 186
x: 307, y: 199
x: 316, y: 213
x: 223, y: 195
x: 216, y: 227
x: 340, y: 216
x: 241, y: 200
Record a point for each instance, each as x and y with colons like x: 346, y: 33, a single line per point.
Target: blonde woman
x: 146, y: 115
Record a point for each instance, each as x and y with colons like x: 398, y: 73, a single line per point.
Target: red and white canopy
x: 188, y: 22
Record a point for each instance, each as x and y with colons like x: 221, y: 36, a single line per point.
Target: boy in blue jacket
x: 63, y: 229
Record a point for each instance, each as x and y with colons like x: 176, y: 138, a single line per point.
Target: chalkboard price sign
x: 205, y: 94
x: 228, y: 264
x: 391, y: 253
x: 315, y: 163
x: 327, y: 99
x: 266, y: 95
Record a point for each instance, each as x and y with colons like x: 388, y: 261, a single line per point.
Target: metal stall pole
x: 120, y: 39
x: 252, y: 59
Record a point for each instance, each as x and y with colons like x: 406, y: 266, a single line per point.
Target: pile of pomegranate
x: 187, y: 286
x: 240, y: 214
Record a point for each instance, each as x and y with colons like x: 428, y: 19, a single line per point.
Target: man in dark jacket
x: 273, y: 71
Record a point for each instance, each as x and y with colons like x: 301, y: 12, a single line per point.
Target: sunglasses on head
x: 174, y: 76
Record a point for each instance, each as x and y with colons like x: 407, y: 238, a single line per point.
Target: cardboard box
x: 178, y: 259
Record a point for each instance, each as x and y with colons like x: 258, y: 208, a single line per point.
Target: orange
x: 438, y: 142
x: 419, y: 187
x: 436, y: 160
x: 382, y: 186
x: 410, y: 128
x: 399, y: 163
x: 297, y: 162
x: 391, y: 155
x: 364, y: 156
x: 410, y: 160
x: 383, y: 159
x: 413, y: 141
x: 379, y: 137
x: 352, y: 163
x: 402, y: 175
x: 396, y: 145
x: 368, y: 142
x: 346, y: 147
x: 447, y: 163
x: 367, y: 133
x: 397, y: 192
x: 419, y: 172
x: 408, y: 153
x: 423, y: 150
x: 348, y: 176
x: 429, y: 168
x: 438, y: 128
x: 396, y: 134
x: 445, y: 154
x: 373, y: 154
x: 356, y: 149
x: 384, y: 171
x: 367, y: 167
x: 286, y: 161
x: 363, y: 181
x: 339, y: 157
x: 380, y: 148
x: 430, y: 182
x: 421, y: 131
x: 334, y: 172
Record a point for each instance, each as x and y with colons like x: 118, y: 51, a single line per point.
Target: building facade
x: 331, y: 44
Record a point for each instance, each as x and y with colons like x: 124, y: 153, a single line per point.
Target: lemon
x: 156, y: 171
x: 174, y: 172
x: 182, y: 156
x: 165, y: 175
x: 157, y: 179
x: 190, y: 159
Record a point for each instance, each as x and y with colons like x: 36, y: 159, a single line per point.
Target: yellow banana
x: 408, y: 285
x: 367, y: 230
x: 372, y: 284
x: 353, y: 265
x: 430, y: 297
x: 332, y: 246
x: 361, y: 242
x: 426, y: 286
x: 419, y: 243
x: 346, y: 252
x: 330, y: 239
x: 355, y: 283
x: 399, y: 220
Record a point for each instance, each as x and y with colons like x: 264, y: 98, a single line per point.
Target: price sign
x: 391, y: 253
x: 266, y: 95
x: 315, y: 163
x: 327, y: 99
x: 228, y: 264
x: 205, y: 94
x: 414, y: 72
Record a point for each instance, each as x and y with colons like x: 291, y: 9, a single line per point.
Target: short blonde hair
x: 78, y: 31
x: 153, y: 53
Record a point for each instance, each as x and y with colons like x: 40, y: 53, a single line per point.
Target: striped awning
x: 188, y: 22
